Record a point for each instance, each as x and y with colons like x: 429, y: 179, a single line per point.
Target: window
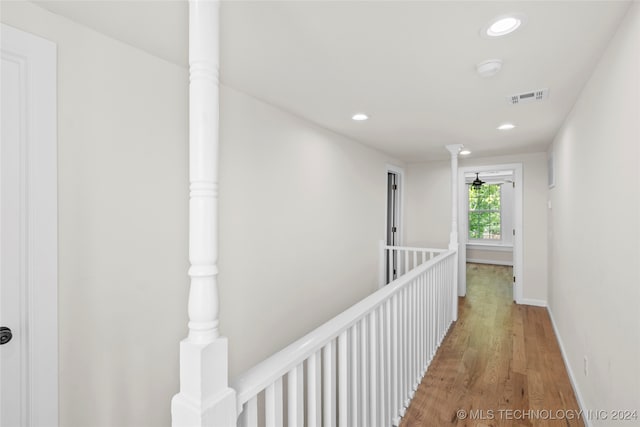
x: 484, y: 212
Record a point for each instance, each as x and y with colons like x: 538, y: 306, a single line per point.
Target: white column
x: 453, y: 236
x: 205, y: 398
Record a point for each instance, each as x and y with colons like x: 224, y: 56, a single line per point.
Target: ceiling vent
x: 523, y: 98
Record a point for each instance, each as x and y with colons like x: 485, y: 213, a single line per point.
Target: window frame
x: 470, y: 211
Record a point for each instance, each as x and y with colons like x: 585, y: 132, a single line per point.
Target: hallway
x: 500, y: 364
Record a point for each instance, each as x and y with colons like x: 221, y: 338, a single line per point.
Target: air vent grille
x: 523, y: 98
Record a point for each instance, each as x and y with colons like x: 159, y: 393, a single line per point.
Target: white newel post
x: 205, y: 398
x: 382, y: 263
x: 453, y: 236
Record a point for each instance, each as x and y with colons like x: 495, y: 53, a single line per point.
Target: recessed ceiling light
x: 358, y: 117
x: 503, y: 25
x: 465, y: 152
x: 489, y: 68
x: 506, y: 126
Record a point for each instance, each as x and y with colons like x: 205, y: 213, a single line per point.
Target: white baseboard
x: 534, y: 302
x: 572, y: 377
x: 489, y: 247
x: 489, y: 261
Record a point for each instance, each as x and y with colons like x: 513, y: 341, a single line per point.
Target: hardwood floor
x: 500, y: 363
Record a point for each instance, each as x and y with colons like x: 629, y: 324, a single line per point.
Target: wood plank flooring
x: 500, y: 363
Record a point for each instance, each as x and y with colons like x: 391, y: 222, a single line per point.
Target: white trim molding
x: 37, y: 59
x: 489, y: 247
x: 533, y: 302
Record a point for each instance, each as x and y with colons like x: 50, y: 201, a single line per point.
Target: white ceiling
x: 410, y: 65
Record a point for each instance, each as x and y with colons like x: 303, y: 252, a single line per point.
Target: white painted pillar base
x: 188, y: 414
x: 205, y: 398
x: 453, y: 236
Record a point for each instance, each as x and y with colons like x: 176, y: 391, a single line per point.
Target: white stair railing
x: 398, y: 260
x: 363, y: 366
x: 360, y: 368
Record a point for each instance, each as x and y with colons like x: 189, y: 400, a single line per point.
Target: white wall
x: 429, y: 211
x: 489, y: 256
x: 301, y: 212
x: 122, y: 179
x: 428, y: 204
x: 594, y: 245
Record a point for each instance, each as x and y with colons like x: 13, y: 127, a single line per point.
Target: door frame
x: 389, y: 168
x: 382, y: 264
x: 37, y: 58
x: 518, y: 260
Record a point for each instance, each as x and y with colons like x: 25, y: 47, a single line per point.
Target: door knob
x: 5, y: 335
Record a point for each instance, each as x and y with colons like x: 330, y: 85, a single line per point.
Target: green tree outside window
x: 484, y: 212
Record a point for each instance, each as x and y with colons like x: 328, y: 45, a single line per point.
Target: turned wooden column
x: 453, y: 236
x: 204, y: 398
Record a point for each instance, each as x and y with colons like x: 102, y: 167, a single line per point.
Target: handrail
x: 413, y: 249
x: 398, y: 260
x: 276, y: 366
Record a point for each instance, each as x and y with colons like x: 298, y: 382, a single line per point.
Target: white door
x: 12, y: 352
x: 28, y: 232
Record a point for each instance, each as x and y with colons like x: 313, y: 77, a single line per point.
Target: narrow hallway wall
x: 594, y: 247
x: 122, y: 209
x: 302, y: 210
